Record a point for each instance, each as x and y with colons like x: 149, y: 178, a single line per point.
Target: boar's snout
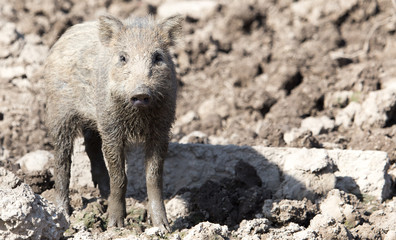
x: 141, y: 96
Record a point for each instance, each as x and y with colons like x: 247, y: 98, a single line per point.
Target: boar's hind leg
x: 155, y: 154
x: 63, y: 134
x: 93, y: 147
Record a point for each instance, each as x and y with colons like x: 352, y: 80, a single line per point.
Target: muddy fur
x: 91, y: 76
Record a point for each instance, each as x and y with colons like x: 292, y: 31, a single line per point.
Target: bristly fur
x: 89, y: 90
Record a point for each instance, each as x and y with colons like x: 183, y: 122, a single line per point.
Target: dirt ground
x: 250, y: 73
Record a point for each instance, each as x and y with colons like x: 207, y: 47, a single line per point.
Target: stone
x: 207, y: 230
x: 345, y: 116
x: 285, y: 211
x: 301, y: 138
x: 328, y: 228
x: 385, y: 218
x: 178, y: 207
x: 36, y: 161
x: 25, y: 215
x: 8, y: 33
x: 191, y: 165
x: 195, y: 137
x: 11, y: 72
x: 293, y: 134
x: 342, y: 207
x: 318, y: 125
x: 305, y: 134
x: 390, y: 235
x: 314, y: 11
x: 306, y: 173
x: 187, y: 118
x: 254, y: 228
x: 377, y: 110
x: 153, y: 231
x: 338, y: 99
x: 213, y: 106
x: 34, y: 53
x: 291, y: 231
x: 366, y: 169
x: 366, y: 231
x: 300, y: 168
x: 193, y: 9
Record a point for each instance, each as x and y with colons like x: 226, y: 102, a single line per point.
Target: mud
x: 249, y: 73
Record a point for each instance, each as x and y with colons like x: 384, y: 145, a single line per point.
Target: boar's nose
x: 141, y: 97
x: 141, y: 100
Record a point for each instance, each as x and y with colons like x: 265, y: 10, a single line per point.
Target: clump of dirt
x: 240, y: 197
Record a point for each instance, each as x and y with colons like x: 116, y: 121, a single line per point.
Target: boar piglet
x: 114, y: 82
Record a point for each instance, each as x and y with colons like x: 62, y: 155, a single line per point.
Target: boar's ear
x: 172, y: 28
x: 108, y: 27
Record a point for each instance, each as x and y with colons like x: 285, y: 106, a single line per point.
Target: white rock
x: 315, y: 10
x: 195, y: 9
x: 293, y: 134
x: 83, y: 234
x: 31, y: 70
x: 341, y: 206
x: 254, y: 227
x: 317, y: 125
x: 298, y: 161
x: 11, y: 72
x: 292, y: 231
x: 306, y: 234
x: 187, y: 118
x: 346, y: 115
x: 153, y: 231
x: 36, y: 161
x: 213, y: 106
x: 375, y: 109
x: 178, y: 207
x: 207, y: 230
x: 306, y: 172
x: 25, y: 215
x: 328, y: 227
x: 191, y: 165
x: 299, y: 185
x: 300, y: 179
x: 4, y: 51
x: 337, y: 99
x: 8, y: 33
x: 385, y: 218
x: 33, y: 53
x: 391, y: 235
x: 21, y: 83
x: 368, y: 169
x: 285, y: 210
x: 195, y: 137
x: 389, y: 83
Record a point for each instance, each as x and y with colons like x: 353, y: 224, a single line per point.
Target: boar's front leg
x: 113, y: 151
x: 155, y: 153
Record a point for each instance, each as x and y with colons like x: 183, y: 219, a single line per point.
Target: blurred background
x: 280, y: 73
x: 275, y: 73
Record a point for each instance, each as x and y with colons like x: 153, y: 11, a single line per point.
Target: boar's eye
x: 123, y: 58
x: 158, y: 58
